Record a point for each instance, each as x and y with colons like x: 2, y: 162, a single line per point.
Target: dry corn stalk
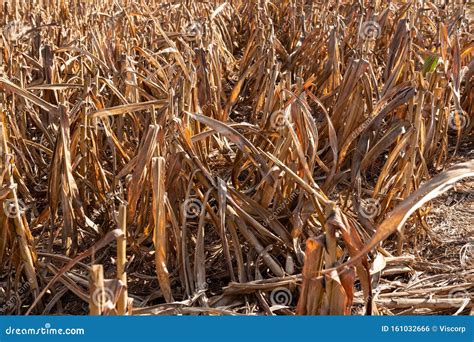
x: 236, y: 132
x: 97, y: 296
x: 122, y: 302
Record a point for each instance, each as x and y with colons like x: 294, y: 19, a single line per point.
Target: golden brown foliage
x: 231, y: 136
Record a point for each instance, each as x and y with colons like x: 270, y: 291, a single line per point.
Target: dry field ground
x: 236, y: 158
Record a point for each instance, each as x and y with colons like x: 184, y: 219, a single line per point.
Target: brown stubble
x: 149, y: 106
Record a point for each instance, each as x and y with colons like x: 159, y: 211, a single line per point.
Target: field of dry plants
x: 236, y: 158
